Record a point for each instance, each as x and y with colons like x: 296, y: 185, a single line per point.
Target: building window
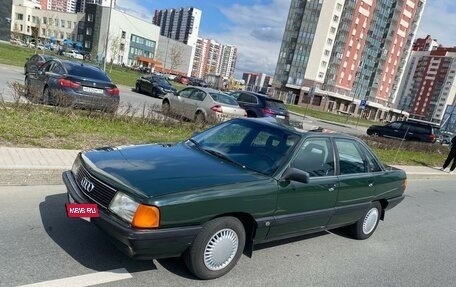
x: 327, y: 52
x: 89, y: 17
x: 333, y: 30
x: 44, y: 20
x: 122, y: 47
x: 87, y: 44
x: 329, y: 41
x: 69, y: 24
x: 124, y: 34
x: 324, y: 64
x: 19, y: 16
x: 339, y: 6
x: 89, y: 31
x: 62, y: 23
x: 335, y: 18
x: 28, y: 29
x: 43, y: 32
x: 56, y: 22
x: 320, y: 75
x: 28, y: 18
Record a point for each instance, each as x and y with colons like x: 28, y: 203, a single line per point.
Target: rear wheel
x: 46, y: 96
x: 367, y: 224
x: 166, y: 108
x: 199, y: 117
x: 217, y: 248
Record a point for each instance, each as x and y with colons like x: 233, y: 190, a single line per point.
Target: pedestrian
x: 451, y: 156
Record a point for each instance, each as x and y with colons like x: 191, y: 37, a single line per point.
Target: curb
x: 28, y: 177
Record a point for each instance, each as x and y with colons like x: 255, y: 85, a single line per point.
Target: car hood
x: 158, y: 169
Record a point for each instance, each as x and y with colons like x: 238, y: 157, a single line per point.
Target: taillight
x: 268, y: 111
x: 217, y: 109
x: 68, y: 84
x: 113, y: 91
x: 432, y: 137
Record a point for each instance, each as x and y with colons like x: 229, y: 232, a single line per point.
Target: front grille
x: 101, y: 193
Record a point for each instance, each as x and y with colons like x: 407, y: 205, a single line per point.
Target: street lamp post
x: 107, y: 38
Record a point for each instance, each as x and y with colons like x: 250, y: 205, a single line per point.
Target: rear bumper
x: 86, y: 101
x: 136, y: 243
x: 392, y: 202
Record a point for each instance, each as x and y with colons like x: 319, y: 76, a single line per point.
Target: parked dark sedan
x: 67, y: 83
x: 35, y: 61
x: 239, y: 183
x: 259, y: 105
x: 154, y: 85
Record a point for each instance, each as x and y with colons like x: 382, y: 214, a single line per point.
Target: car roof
x: 272, y: 122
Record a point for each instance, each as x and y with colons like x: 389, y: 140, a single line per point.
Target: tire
x: 166, y: 108
x: 26, y: 87
x: 217, y: 248
x: 200, y: 118
x: 368, y: 223
x: 46, y: 96
x: 138, y: 88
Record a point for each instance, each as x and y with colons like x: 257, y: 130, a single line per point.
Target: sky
x: 256, y: 27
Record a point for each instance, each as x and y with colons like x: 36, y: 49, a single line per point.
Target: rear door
x: 356, y: 182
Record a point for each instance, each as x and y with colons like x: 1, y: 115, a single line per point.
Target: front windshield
x: 252, y: 145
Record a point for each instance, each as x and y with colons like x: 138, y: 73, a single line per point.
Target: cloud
x: 438, y: 22
x: 256, y: 30
x: 136, y: 9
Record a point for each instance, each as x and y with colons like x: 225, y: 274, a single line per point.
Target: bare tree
x: 16, y: 32
x: 114, y: 48
x: 176, y: 57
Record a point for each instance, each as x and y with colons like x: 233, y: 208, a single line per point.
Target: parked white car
x: 73, y: 54
x: 202, y: 105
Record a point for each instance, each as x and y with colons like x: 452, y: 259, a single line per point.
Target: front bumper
x: 136, y: 243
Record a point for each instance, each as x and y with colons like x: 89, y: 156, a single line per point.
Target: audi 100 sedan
x: 212, y: 197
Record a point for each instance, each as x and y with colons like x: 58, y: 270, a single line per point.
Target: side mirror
x: 296, y: 175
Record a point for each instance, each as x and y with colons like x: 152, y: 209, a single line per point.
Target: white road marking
x: 85, y: 280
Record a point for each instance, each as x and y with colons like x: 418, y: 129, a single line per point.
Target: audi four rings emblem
x: 87, y: 185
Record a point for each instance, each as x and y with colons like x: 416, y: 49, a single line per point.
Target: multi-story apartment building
x: 28, y: 20
x: 425, y: 44
x: 212, y: 57
x: 5, y: 19
x: 82, y: 4
x: 257, y: 82
x: 227, y: 62
x: 339, y: 54
x: 180, y: 24
x: 428, y: 88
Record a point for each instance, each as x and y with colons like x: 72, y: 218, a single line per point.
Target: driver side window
x: 315, y: 157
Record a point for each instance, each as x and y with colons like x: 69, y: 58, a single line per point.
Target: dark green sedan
x: 246, y: 181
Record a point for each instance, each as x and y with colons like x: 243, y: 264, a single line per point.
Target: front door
x: 307, y: 207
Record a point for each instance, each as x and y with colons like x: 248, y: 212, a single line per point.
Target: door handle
x: 332, y: 187
x: 371, y: 184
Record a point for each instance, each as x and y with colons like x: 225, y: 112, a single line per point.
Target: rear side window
x: 247, y: 98
x: 315, y: 157
x: 223, y: 99
x: 278, y: 105
x: 350, y: 157
x: 87, y: 72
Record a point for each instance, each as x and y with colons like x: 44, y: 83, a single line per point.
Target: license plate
x: 92, y: 90
x: 280, y: 117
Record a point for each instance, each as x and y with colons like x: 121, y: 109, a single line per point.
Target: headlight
x: 76, y: 166
x: 124, y: 206
x: 138, y: 215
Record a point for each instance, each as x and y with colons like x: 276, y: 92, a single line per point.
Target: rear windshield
x: 223, y: 99
x: 87, y: 72
x: 275, y: 104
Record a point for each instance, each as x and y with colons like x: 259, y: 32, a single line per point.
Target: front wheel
x: 367, y: 224
x: 217, y: 248
x: 166, y: 108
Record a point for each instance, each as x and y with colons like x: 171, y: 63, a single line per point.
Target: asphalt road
x: 414, y: 246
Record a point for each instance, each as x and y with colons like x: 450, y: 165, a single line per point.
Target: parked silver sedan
x: 202, y: 105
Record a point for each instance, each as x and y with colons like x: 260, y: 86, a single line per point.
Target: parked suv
x: 407, y: 130
x: 260, y: 105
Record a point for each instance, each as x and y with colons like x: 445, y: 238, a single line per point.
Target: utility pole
x: 107, y: 37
